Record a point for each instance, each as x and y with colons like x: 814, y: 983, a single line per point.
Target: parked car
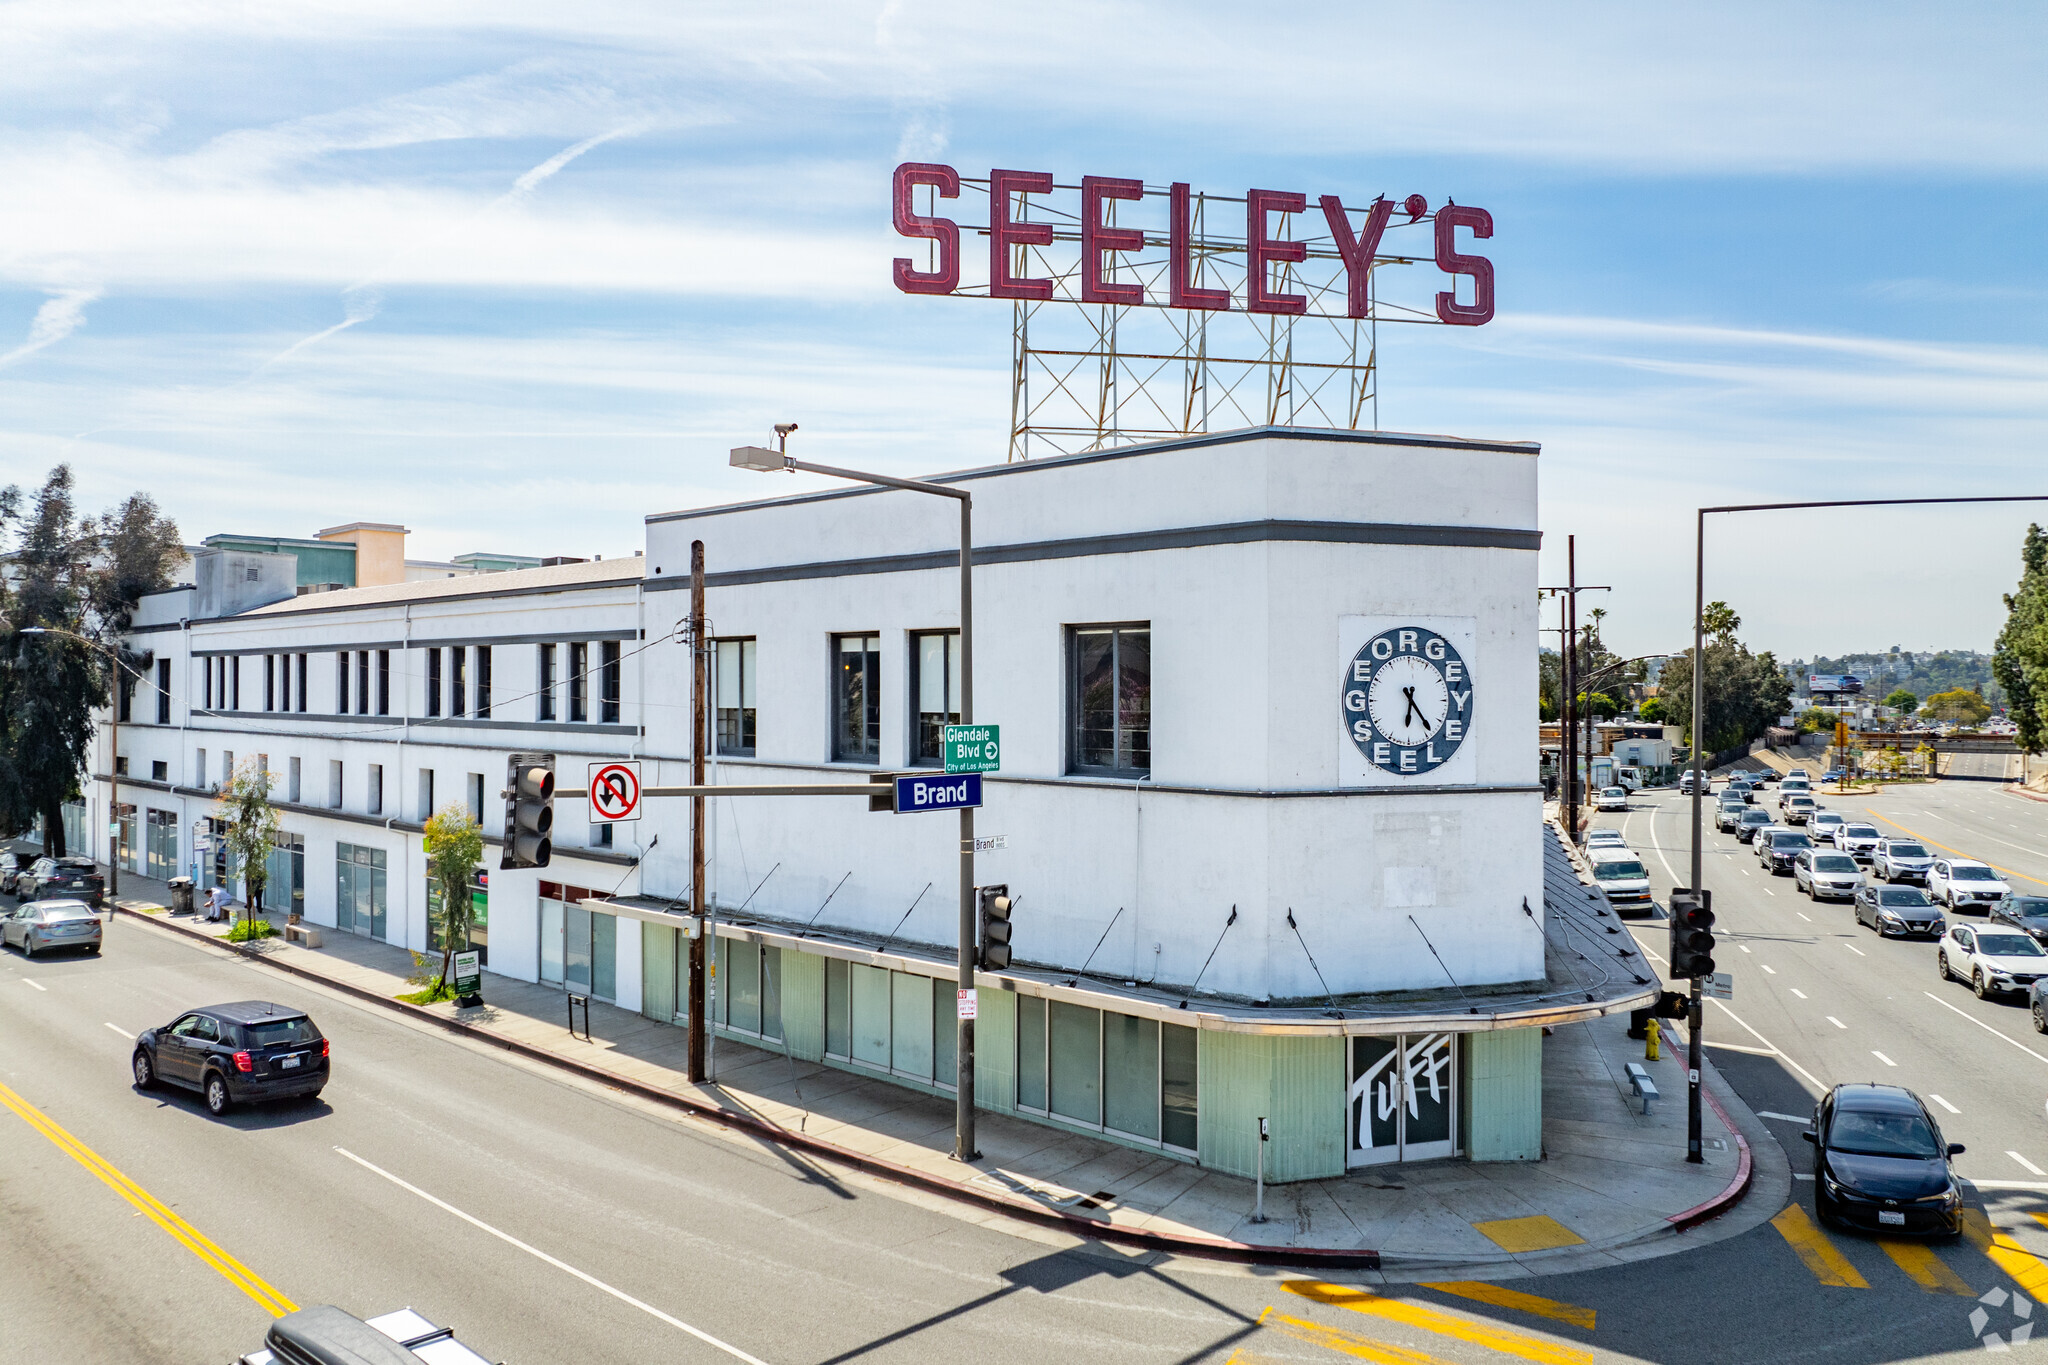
x: 1797, y: 810
x: 1881, y: 1163
x: 1777, y: 847
x: 1623, y: 880
x: 72, y: 878
x: 231, y: 1054
x: 1858, y: 840
x: 1604, y: 838
x: 1901, y: 860
x: 1963, y: 883
x: 2028, y: 913
x: 1753, y: 819
x: 10, y: 868
x: 1820, y: 873
x: 1991, y: 960
x: 1612, y: 798
x: 1823, y: 823
x: 1898, y: 910
x: 38, y: 926
x: 1834, y: 775
x: 1728, y: 815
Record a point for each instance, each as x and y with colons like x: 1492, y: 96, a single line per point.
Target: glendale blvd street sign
x: 973, y: 748
x: 915, y: 794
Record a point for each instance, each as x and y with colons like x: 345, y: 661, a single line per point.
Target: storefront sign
x: 973, y: 748
x: 468, y: 974
x: 1406, y: 699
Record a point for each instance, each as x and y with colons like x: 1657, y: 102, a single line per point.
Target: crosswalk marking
x: 1811, y: 1245
x: 1499, y: 1297
x: 1927, y: 1270
x: 2006, y: 1253
x: 1434, y: 1320
x: 1337, y: 1339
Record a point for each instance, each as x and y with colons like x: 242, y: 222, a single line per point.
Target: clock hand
x: 1413, y: 709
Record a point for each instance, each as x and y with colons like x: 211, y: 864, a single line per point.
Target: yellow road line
x: 1434, y: 1320
x: 1828, y: 1265
x: 1514, y: 1298
x: 1348, y: 1343
x: 200, y: 1245
x: 1926, y: 1269
x: 1958, y: 852
x: 2006, y: 1253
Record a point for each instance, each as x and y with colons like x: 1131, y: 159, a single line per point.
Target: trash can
x: 181, y: 895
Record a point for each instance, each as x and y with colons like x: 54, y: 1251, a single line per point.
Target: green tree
x: 1720, y: 621
x: 1744, y: 694
x: 1598, y: 705
x: 2019, y: 661
x: 1549, y: 684
x: 251, y: 831
x: 1652, y: 711
x: 1959, y: 707
x: 1902, y: 700
x: 455, y: 848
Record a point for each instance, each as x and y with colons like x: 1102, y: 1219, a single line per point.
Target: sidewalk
x: 1614, y: 1185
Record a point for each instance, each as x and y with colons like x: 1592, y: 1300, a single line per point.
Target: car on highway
x: 1965, y: 884
x: 1623, y: 880
x: 1858, y: 840
x: 1753, y: 819
x: 1604, y: 838
x: 1728, y: 814
x: 1778, y: 846
x: 326, y: 1335
x: 1612, y: 798
x: 1746, y: 791
x: 1881, y: 1163
x: 1901, y: 860
x: 1791, y: 790
x: 2028, y: 913
x: 74, y: 878
x: 1799, y: 774
x: 1685, y: 783
x: 40, y: 926
x: 1898, y: 910
x: 231, y: 1054
x: 1823, y: 823
x: 1798, y: 810
x: 1822, y: 873
x: 1992, y: 960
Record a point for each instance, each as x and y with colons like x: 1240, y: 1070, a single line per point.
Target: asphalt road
x: 552, y: 1220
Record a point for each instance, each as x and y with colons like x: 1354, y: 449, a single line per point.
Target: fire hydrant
x: 1650, y: 1032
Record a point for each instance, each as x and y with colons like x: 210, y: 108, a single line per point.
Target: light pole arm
x: 885, y: 480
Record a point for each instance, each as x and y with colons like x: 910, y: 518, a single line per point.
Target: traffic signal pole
x: 700, y: 668
x: 963, y: 1076
x: 1696, y: 1011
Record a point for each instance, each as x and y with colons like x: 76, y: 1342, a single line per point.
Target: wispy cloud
x: 55, y: 320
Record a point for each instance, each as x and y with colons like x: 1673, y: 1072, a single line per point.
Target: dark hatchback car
x: 1898, y: 910
x: 234, y: 1054
x: 2029, y: 913
x: 67, y: 878
x: 1881, y: 1164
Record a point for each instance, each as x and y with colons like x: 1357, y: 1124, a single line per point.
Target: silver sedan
x: 41, y: 925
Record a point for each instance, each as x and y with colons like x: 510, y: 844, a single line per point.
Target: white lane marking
x: 2032, y: 1169
x: 1836, y: 1022
x: 1854, y: 949
x: 1986, y: 1027
x: 123, y: 1032
x: 1769, y: 892
x: 1743, y: 946
x: 1944, y: 1104
x: 1802, y: 915
x: 1796, y: 991
x: 1769, y: 968
x: 564, y: 1266
x: 1882, y: 1058
x: 1723, y: 1007
x: 1802, y: 1175
x: 1745, y: 872
x: 1782, y: 1118
x: 37, y: 984
x: 1740, y: 1047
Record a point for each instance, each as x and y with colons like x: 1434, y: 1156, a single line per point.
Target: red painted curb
x: 1739, y: 1186
x: 1213, y: 1248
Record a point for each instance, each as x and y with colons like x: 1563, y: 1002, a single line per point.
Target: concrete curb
x: 1745, y: 1171
x: 1212, y: 1248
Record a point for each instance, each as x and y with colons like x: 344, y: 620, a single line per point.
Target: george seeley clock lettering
x: 1407, y: 700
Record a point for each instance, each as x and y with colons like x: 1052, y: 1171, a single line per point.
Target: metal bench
x: 1643, y: 1084
x: 302, y: 930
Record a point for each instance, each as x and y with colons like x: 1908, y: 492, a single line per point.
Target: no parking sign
x: 614, y: 793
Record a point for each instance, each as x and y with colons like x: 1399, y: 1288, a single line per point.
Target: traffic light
x: 529, y: 810
x: 995, y: 926
x: 1692, y: 933
x: 882, y: 797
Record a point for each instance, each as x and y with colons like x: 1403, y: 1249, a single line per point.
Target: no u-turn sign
x: 614, y: 792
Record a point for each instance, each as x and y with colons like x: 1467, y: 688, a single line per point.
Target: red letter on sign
x: 1357, y: 252
x: 1184, y: 294
x: 1449, y: 219
x: 1004, y: 234
x: 944, y: 231
x: 1260, y: 250
x: 1096, y: 239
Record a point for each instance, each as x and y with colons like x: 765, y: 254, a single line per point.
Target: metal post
x: 1571, y: 687
x: 1259, y: 1209
x: 1697, y: 1009
x: 699, y: 686
x: 963, y: 1100
x: 114, y: 787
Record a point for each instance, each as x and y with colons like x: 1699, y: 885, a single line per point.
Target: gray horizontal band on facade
x: 1221, y: 438
x: 571, y: 637
x: 400, y: 724
x: 1125, y: 784
x: 1132, y: 542
x: 390, y: 824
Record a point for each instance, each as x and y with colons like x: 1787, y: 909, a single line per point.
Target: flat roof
x: 512, y: 582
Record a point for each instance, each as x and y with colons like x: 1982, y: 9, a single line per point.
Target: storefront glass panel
x: 1076, y: 1062
x: 604, y: 955
x: 1030, y: 1052
x: 1177, y: 1086
x: 910, y: 1044
x: 1130, y: 1075
x: 870, y: 1015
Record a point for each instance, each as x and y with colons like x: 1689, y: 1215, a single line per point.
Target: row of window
x: 1108, y: 697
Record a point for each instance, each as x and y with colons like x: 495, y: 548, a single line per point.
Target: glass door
x: 576, y: 948
x: 551, y: 940
x: 1403, y: 1098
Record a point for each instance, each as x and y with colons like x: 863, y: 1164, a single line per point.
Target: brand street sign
x: 973, y: 748
x: 468, y: 974
x: 985, y: 843
x: 955, y: 792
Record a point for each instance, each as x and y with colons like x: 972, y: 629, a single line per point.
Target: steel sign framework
x: 1141, y: 312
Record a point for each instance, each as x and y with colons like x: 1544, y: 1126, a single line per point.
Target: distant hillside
x: 1923, y: 674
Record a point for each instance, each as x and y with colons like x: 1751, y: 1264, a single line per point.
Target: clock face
x: 1407, y: 700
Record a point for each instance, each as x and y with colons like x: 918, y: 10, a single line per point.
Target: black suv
x: 76, y: 879
x: 247, y: 1051
x: 1880, y: 1163
x: 2029, y: 913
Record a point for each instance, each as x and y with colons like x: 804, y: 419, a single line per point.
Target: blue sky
x: 516, y: 275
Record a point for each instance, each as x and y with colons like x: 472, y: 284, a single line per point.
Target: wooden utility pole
x: 700, y: 713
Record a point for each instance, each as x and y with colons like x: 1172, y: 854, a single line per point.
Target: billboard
x: 1838, y: 684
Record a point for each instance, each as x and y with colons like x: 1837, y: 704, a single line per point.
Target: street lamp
x: 763, y: 460
x: 113, y: 762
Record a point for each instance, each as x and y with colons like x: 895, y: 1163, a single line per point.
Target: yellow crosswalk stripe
x: 1435, y: 1320
x: 1927, y: 1270
x: 2006, y: 1253
x: 1349, y: 1343
x: 1813, y: 1248
x: 1501, y: 1297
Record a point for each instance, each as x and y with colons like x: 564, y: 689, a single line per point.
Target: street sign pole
x: 963, y: 1049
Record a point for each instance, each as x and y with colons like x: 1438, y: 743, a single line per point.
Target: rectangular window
x: 284, y: 682
x: 235, y: 683
x: 483, y: 682
x: 838, y: 1020
x: 600, y: 836
x: 426, y: 794
x: 579, y: 689
x: 934, y: 692
x: 294, y: 789
x: 1075, y: 1061
x: 302, y: 682
x: 206, y: 666
x: 1110, y: 699
x: 1130, y: 1075
x: 870, y: 1015
x: 476, y: 797
x: 120, y: 766
x: 742, y: 984
x: 910, y: 1034
x: 341, y: 684
x: 433, y: 682
x: 227, y: 765
x: 544, y: 685
x: 163, y: 691
x: 609, y: 683
x: 374, y: 789
x: 270, y: 682
x: 199, y: 770
x: 159, y: 771
x: 945, y: 1033
x: 733, y: 685
x: 383, y: 682
x: 362, y: 682
x: 334, y: 783
x: 458, y: 681
x: 124, y: 686
x: 1030, y: 1052
x: 857, y: 698
x: 1177, y: 1086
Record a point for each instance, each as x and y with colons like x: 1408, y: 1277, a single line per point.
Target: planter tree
x: 455, y: 849
x: 252, y: 829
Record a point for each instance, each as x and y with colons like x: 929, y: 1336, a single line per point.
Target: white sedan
x: 1962, y: 883
x: 1992, y: 958
x: 1613, y: 798
x: 1858, y: 840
